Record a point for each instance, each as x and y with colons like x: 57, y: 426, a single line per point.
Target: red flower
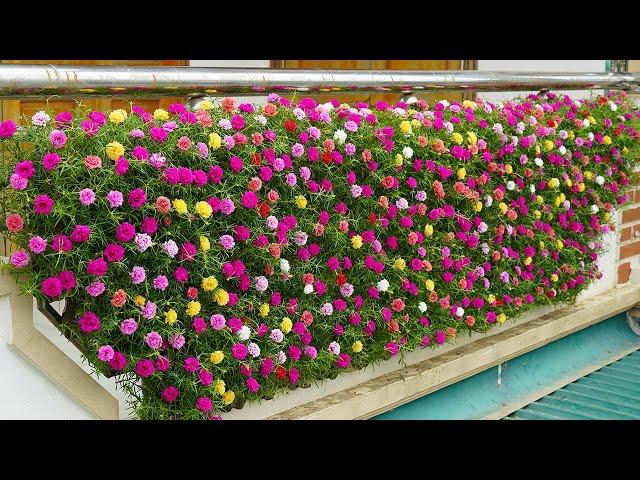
x: 281, y: 372
x: 373, y: 218
x: 342, y: 279
x: 326, y: 157
x: 290, y: 125
x: 264, y: 209
x: 256, y: 159
x: 192, y: 293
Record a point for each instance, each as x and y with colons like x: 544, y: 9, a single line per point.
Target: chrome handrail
x: 73, y: 81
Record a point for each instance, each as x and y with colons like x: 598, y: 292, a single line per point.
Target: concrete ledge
x: 388, y: 391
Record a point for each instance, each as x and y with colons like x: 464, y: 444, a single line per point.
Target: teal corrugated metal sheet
x: 611, y: 393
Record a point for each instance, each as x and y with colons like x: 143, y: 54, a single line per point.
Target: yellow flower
x: 139, y: 300
x: 357, y: 346
x: 456, y: 137
x: 477, y: 206
x: 193, y: 308
x: 114, y: 150
x: 625, y: 150
x: 606, y: 216
x: 606, y: 140
x: 588, y: 175
x: 219, y: 386
x: 430, y: 285
x: 215, y: 141
x: 541, y: 244
x: 428, y: 229
x: 472, y: 138
x: 462, y: 172
x: 501, y: 318
x: 491, y: 298
x: 572, y: 135
x: 204, y: 209
x: 117, y: 116
x: 592, y: 120
x: 415, y: 124
x: 537, y: 149
x: 286, y: 325
x: 399, y: 264
x: 539, y: 199
x: 264, y: 310
x: 205, y: 244
x: 554, y: 277
x: 469, y: 104
x: 221, y: 297
x: 171, y: 317
x: 503, y: 207
x: 528, y: 260
x: 160, y: 114
x: 554, y: 183
x: 568, y: 182
x: 548, y: 145
x: 180, y: 205
x: 301, y: 202
x: 216, y: 357
x: 537, y: 214
x: 399, y: 160
x: 209, y: 284
x: 581, y: 187
x: 228, y: 397
x: 356, y: 241
x: 205, y: 105
x: 508, y: 168
x: 405, y: 127
x: 559, y: 244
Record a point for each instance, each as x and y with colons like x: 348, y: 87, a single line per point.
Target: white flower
x: 402, y: 203
x: 253, y: 349
x: 488, y: 108
x: 40, y: 118
x: 411, y: 100
x: 284, y: 265
x: 562, y: 150
x: 538, y: 161
x: 585, y: 123
x: 590, y: 136
x: 594, y: 209
x: 444, y: 103
x: 613, y: 106
x: 600, y: 180
x: 482, y: 227
x: 308, y: 288
x: 261, y: 119
x: 533, y: 120
x: 400, y: 112
x: 532, y: 187
x: 327, y: 107
x: 244, y: 333
x: 422, y: 307
x: 383, y: 285
x: 488, y: 201
x: 509, y: 232
x: 566, y: 204
x: 459, y: 311
x: 356, y: 191
x: 282, y: 357
x: 340, y: 136
x: 299, y: 113
x: 514, y: 140
x: 407, y: 152
x: 334, y: 347
x: 449, y: 127
x: 511, y: 185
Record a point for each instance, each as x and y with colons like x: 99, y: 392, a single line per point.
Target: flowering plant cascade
x: 221, y: 254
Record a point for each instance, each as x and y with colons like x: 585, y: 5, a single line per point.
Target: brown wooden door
x: 431, y: 98
x: 14, y: 109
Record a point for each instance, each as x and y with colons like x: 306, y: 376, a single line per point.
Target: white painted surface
x: 235, y: 63
x: 25, y: 393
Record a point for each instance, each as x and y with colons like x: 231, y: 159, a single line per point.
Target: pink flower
x: 14, y: 223
x: 106, y: 353
x: 87, y: 196
x: 92, y: 162
x: 153, y: 339
x: 51, y: 287
x: 227, y: 242
x: 170, y: 394
x: 58, y: 138
x: 97, y: 267
x: 191, y: 364
x: 137, y: 198
x: 249, y: 200
x: 128, y: 326
x: 20, y: 259
x: 144, y: 368
x: 37, y: 244
x: 43, y: 204
x: 115, y: 198
x: 184, y: 143
x: 67, y: 280
x: 7, y: 129
x: 89, y: 322
x: 204, y: 404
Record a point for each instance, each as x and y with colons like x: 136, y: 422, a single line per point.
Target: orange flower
x: 269, y: 109
x: 228, y: 104
x: 119, y: 298
x: 438, y: 146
